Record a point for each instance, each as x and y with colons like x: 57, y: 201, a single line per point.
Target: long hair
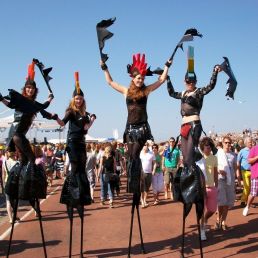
x: 81, y: 110
x: 25, y: 95
x: 136, y: 93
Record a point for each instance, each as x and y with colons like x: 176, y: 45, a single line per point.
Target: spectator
x: 253, y: 160
x: 107, y: 168
x: 209, y: 166
x: 148, y: 167
x: 11, y: 160
x: 90, y: 169
x: 226, y: 182
x: 170, y: 164
x: 157, y: 176
x: 243, y: 168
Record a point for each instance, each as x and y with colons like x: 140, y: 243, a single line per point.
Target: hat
x: 190, y: 74
x: 138, y: 66
x: 77, y: 90
x: 31, y: 75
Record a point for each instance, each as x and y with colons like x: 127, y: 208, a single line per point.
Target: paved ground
x: 106, y: 231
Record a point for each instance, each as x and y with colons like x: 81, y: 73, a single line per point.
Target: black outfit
x: 137, y: 132
x: 76, y: 189
x: 191, y: 104
x: 32, y: 180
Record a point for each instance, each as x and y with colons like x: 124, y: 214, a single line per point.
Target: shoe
x: 155, y: 203
x: 253, y: 205
x: 245, y: 211
x: 111, y: 205
x: 146, y: 204
x: 143, y: 205
x: 243, y: 204
x: 217, y: 226
x: 166, y: 195
x: 224, y: 226
x: 102, y: 203
x: 203, y: 235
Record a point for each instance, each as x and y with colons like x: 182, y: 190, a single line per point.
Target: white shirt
x: 147, y: 161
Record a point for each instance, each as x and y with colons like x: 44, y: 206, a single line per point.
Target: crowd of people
x: 226, y: 173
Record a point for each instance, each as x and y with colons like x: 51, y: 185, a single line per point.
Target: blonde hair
x: 81, y: 110
x: 107, y: 151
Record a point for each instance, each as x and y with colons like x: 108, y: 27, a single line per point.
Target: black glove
x: 93, y: 115
x: 51, y: 95
x: 104, y: 67
x: 54, y: 117
x: 1, y: 97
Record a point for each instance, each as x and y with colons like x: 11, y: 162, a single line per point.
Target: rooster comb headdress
x: 138, y: 66
x: 31, y: 75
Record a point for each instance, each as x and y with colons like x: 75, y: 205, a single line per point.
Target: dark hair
x: 26, y: 85
x: 206, y: 141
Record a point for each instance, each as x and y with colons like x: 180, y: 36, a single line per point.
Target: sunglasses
x: 207, y: 145
x: 227, y: 142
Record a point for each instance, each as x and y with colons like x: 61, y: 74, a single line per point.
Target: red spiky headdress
x: 138, y: 66
x: 31, y: 75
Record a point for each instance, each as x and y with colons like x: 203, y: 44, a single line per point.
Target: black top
x: 191, y: 102
x: 108, y: 164
x: 76, y: 124
x: 137, y: 111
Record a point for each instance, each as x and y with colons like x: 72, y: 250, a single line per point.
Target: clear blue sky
x: 62, y: 34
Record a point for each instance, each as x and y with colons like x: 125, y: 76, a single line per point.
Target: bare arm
x: 253, y: 160
x: 161, y: 78
x: 113, y: 84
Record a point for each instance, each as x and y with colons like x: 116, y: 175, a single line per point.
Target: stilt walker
x: 189, y: 181
x: 137, y: 130
x: 76, y: 188
x: 26, y: 180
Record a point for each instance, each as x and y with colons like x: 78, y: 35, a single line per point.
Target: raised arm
x: 110, y: 81
x: 205, y: 90
x: 162, y: 78
x: 172, y: 93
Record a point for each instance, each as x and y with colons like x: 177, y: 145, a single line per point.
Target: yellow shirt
x: 211, y: 162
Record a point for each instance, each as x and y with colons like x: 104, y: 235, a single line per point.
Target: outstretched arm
x: 213, y: 81
x: 110, y: 81
x: 172, y: 93
x: 4, y: 101
x: 161, y: 79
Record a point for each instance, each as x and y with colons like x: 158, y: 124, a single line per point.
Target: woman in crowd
x: 227, y: 165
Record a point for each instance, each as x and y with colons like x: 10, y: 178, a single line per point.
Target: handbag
x: 12, y: 184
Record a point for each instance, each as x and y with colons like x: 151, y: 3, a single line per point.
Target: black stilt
x: 81, y: 214
x: 139, y: 222
x: 135, y: 204
x: 199, y: 232
x: 15, y: 208
x: 70, y: 215
x: 41, y: 226
x: 183, y: 233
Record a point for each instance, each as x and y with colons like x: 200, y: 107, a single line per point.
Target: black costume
x: 26, y: 180
x: 136, y: 134
x: 76, y: 189
x: 191, y: 104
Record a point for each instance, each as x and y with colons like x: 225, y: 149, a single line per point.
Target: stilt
x: 15, y: 207
x: 81, y: 214
x: 70, y: 215
x: 183, y: 233
x: 199, y: 232
x: 41, y: 226
x: 135, y: 204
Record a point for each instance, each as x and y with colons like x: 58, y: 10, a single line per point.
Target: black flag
x: 188, y: 36
x: 44, y: 72
x: 232, y: 82
x: 103, y: 35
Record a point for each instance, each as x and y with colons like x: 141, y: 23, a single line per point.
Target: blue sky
x: 62, y: 34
